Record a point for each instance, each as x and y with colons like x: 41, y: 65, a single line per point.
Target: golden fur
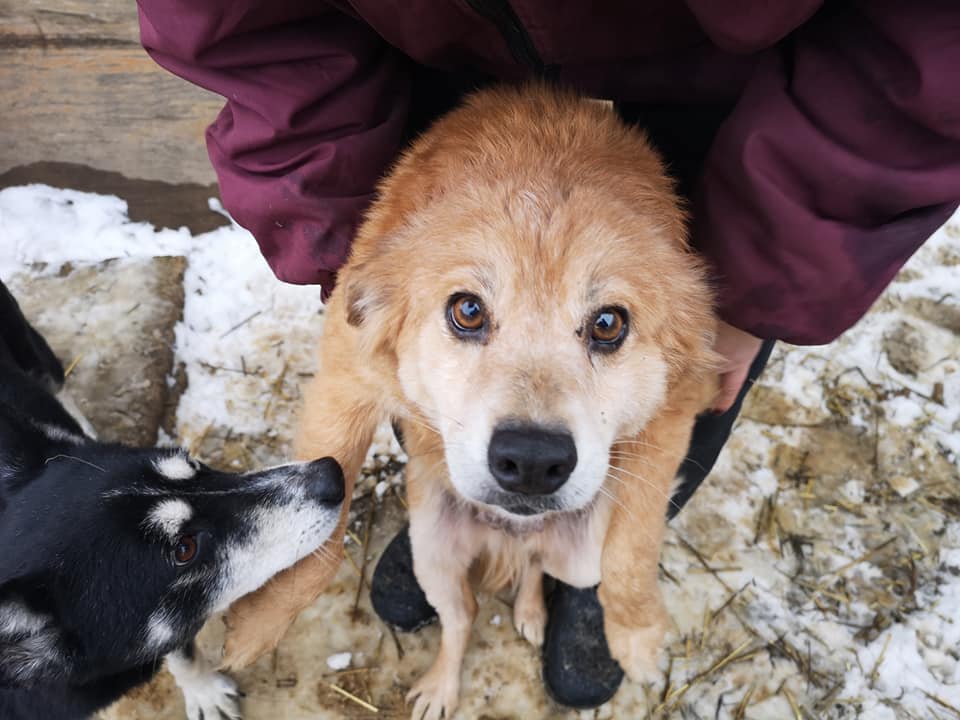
x: 548, y: 207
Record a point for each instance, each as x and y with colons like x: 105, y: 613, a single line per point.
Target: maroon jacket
x: 841, y: 156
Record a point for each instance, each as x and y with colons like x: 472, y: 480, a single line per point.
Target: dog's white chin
x: 510, y: 523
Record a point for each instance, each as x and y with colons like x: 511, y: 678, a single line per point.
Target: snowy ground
x: 817, y: 575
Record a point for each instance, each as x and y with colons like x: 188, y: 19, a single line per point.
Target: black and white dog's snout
x: 324, y: 482
x: 531, y: 459
x: 320, y: 481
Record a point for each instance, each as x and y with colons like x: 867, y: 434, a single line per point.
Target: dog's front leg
x: 643, y: 471
x: 441, y: 563
x: 206, y: 693
x: 339, y: 419
x: 444, y: 579
x: 529, y: 609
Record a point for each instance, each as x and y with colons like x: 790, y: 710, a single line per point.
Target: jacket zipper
x: 501, y: 14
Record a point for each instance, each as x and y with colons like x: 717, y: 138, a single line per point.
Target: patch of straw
x: 353, y: 698
x: 72, y: 365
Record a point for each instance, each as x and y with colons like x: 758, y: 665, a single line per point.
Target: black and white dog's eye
x: 185, y: 549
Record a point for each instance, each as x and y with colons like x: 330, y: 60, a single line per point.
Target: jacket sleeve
x: 315, y: 110
x: 840, y: 159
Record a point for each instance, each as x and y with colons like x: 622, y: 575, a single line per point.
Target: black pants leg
x: 710, y: 434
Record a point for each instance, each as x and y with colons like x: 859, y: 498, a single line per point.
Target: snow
x: 892, y: 438
x: 339, y: 661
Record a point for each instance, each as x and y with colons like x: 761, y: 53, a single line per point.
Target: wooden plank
x: 43, y: 23
x: 109, y: 107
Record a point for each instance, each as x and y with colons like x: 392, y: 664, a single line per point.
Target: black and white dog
x: 112, y: 558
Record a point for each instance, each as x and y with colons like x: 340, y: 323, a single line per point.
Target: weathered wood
x: 75, y: 86
x: 44, y: 23
x: 107, y: 107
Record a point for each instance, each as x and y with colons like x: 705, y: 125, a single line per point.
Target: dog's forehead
x: 152, y: 474
x: 577, y: 246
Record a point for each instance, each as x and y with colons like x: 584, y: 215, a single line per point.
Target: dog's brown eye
x: 609, y: 327
x: 466, y: 314
x: 185, y: 550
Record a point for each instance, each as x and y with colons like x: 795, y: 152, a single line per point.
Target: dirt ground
x: 801, y: 580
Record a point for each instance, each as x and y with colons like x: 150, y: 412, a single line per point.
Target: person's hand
x: 738, y: 350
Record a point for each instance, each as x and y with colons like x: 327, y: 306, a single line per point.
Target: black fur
x: 86, y: 570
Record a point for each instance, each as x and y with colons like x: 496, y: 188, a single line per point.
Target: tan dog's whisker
x: 613, y: 498
x: 418, y: 421
x: 632, y: 457
x: 638, y: 442
x: 425, y: 453
x: 645, y: 481
x: 694, y: 462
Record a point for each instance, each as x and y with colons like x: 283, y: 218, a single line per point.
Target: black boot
x: 394, y: 592
x: 577, y: 668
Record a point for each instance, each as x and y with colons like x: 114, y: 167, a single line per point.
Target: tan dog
x: 522, y: 298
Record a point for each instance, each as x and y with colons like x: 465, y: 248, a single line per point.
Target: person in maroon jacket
x: 818, y: 144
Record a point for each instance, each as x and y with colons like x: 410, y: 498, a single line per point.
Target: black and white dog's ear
x: 32, y: 647
x: 23, y: 347
x: 19, y: 451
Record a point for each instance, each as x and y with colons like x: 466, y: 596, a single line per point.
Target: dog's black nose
x: 530, y: 460
x: 324, y: 481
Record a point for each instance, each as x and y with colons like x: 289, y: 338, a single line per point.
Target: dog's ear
x: 20, y: 451
x: 24, y: 348
x: 373, y: 304
x: 362, y: 297
x: 32, y: 646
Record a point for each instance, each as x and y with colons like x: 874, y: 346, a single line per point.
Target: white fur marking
x: 16, y: 619
x: 58, y: 434
x: 169, y: 516
x: 71, y: 407
x: 175, y: 467
x: 34, y: 641
x: 159, y: 631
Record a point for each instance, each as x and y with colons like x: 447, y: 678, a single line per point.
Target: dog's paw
x: 435, y: 695
x: 530, y: 619
x: 636, y: 649
x: 211, y: 696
